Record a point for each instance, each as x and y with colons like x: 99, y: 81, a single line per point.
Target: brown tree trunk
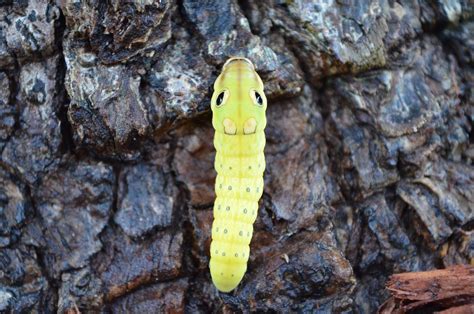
x: 106, y: 156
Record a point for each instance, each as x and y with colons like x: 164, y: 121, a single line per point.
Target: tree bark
x: 106, y: 156
x: 449, y: 290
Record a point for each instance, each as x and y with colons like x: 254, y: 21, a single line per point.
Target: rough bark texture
x: 448, y: 290
x: 106, y: 171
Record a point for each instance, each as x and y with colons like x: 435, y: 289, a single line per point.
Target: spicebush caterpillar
x: 238, y: 116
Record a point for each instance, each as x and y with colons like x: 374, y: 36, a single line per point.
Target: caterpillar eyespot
x: 238, y: 117
x: 222, y: 98
x: 256, y: 98
x: 259, y: 99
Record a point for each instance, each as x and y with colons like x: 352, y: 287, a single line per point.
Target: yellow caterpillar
x: 238, y: 116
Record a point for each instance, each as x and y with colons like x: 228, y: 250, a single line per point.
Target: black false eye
x: 220, y: 99
x: 259, y: 98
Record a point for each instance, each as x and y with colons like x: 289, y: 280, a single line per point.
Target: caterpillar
x: 238, y: 107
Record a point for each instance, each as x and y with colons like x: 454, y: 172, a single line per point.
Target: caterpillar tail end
x: 226, y: 277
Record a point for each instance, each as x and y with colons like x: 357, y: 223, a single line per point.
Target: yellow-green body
x: 239, y: 122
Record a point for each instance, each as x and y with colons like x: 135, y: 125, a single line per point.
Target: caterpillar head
x: 238, y: 103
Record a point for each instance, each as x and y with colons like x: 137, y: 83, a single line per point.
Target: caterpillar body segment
x: 238, y: 105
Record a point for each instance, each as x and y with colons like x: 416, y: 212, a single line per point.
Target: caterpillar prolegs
x: 238, y: 116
